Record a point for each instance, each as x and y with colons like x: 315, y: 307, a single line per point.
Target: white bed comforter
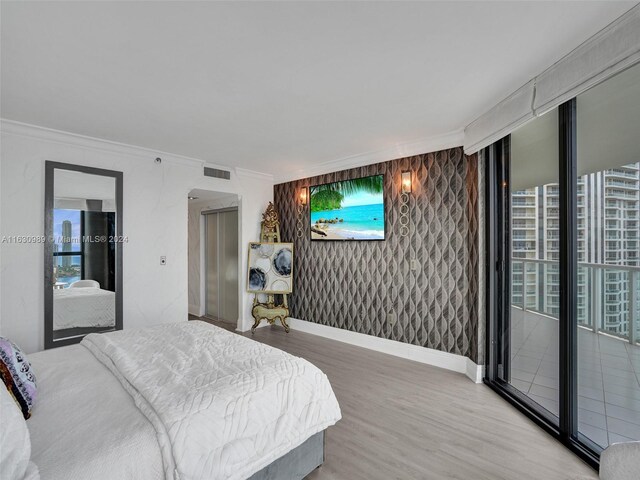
x: 83, y: 307
x: 223, y: 406
x: 84, y: 425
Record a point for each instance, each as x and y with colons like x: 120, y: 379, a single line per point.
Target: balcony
x: 523, y: 236
x: 630, y: 174
x: 524, y: 246
x: 597, y: 281
x: 608, y: 348
x: 525, y: 193
x: 621, y: 195
x: 608, y: 372
x: 520, y: 212
x: 524, y: 226
x: 626, y: 185
x: 523, y: 202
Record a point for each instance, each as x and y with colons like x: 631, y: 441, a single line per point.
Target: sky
x: 362, y: 198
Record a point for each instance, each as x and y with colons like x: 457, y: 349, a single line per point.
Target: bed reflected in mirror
x: 83, y: 211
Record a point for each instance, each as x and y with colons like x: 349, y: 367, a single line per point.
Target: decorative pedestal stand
x: 270, y: 310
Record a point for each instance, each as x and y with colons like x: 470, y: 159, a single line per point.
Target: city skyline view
x: 608, y: 234
x: 61, y: 215
x: 66, y: 228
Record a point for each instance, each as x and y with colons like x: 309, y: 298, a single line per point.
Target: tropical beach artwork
x: 348, y: 209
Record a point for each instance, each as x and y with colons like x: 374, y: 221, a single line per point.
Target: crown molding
x: 427, y: 145
x: 244, y: 172
x: 19, y: 129
x: 432, y: 144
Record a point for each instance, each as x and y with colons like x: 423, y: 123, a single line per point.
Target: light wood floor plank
x: 406, y: 420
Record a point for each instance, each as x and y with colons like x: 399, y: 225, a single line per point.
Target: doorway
x: 221, y: 264
x: 213, y: 256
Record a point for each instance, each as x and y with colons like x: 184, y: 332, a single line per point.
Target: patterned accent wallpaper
x: 369, y: 286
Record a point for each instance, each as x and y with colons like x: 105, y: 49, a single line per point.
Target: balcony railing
x: 617, y: 183
x: 622, y: 173
x: 622, y: 194
x: 597, y: 280
x: 523, y: 202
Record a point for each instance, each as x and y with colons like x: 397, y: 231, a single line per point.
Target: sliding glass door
x: 608, y: 206
x: 563, y: 208
x: 533, y: 252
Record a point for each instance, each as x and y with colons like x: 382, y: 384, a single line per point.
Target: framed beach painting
x: 348, y: 209
x: 270, y: 268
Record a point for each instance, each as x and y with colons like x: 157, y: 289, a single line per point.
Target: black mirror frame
x: 50, y: 168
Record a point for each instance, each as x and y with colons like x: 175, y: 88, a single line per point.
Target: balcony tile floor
x: 608, y: 376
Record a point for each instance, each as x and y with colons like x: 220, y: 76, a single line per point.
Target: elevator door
x: 221, y: 263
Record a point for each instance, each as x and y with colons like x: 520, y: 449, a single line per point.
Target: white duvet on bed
x: 83, y: 307
x: 223, y: 406
x: 84, y: 425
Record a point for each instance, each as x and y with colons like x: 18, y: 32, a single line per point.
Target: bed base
x: 296, y: 464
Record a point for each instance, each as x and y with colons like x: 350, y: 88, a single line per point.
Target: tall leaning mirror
x: 83, y: 252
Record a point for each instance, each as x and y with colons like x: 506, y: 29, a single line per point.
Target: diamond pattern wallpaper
x: 369, y: 286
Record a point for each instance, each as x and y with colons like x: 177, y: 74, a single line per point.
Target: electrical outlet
x: 163, y: 260
x: 392, y: 318
x: 414, y: 264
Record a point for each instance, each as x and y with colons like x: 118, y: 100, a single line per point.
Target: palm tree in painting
x: 330, y: 195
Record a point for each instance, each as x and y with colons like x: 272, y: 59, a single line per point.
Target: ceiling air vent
x: 216, y: 173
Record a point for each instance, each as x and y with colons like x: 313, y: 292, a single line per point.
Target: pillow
x: 17, y: 375
x: 15, y: 444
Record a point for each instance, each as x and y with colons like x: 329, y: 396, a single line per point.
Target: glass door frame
x: 498, y: 301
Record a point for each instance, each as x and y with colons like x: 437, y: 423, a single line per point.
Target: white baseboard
x: 429, y: 356
x: 474, y: 371
x: 247, y: 326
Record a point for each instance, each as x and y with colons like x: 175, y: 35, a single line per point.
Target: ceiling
x: 276, y: 87
x: 72, y: 184
x: 72, y: 189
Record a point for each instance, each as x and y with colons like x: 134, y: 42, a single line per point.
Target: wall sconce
x: 303, y: 199
x: 404, y: 220
x: 406, y: 181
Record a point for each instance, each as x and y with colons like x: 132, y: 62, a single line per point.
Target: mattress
x: 84, y: 425
x: 83, y: 307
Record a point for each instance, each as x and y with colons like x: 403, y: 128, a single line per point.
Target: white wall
x: 155, y: 212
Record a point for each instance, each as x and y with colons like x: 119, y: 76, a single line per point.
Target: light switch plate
x: 163, y: 260
x: 414, y: 264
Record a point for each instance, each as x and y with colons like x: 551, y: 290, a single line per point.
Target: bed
x: 83, y: 307
x: 180, y: 401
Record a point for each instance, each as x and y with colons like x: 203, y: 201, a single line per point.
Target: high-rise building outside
x: 66, y: 242
x: 608, y: 235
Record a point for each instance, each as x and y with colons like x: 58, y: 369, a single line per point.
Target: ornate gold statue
x: 270, y: 226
